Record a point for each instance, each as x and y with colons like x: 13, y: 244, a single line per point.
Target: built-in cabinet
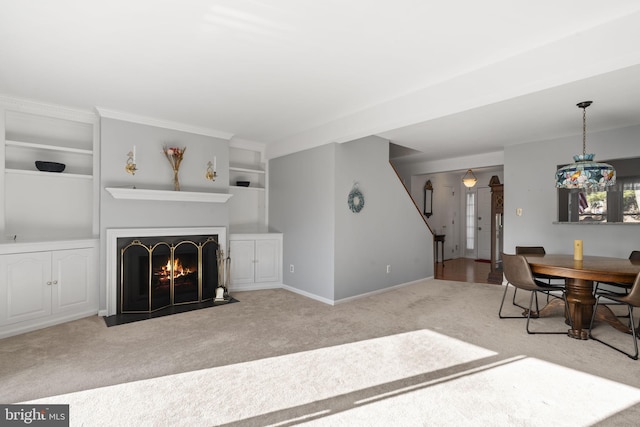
x: 42, y: 284
x: 256, y: 260
x: 48, y: 220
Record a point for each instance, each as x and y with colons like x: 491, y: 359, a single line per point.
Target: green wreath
x: 356, y: 200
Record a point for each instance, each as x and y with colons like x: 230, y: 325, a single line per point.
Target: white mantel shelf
x: 129, y: 193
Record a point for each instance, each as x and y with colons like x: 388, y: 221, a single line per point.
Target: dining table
x: 580, y: 276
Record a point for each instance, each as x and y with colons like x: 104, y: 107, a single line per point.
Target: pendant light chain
x: 584, y: 130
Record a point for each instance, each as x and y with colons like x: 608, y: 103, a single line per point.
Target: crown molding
x: 167, y: 124
x: 42, y: 108
x: 247, y: 144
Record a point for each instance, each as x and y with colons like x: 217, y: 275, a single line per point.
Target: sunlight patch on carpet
x: 414, y: 378
x: 526, y: 392
x: 245, y: 390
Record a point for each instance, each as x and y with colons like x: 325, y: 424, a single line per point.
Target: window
x: 619, y: 203
x: 471, y: 220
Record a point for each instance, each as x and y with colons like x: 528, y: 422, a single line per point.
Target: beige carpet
x: 432, y: 353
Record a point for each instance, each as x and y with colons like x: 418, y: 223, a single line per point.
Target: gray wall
x: 529, y: 184
x: 117, y: 139
x: 336, y: 253
x: 301, y: 205
x: 389, y: 230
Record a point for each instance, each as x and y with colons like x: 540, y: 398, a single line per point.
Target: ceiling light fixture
x: 469, y: 179
x: 585, y: 173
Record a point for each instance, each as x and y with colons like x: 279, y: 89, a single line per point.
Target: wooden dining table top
x: 596, y: 268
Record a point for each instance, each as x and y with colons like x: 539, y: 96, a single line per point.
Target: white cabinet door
x: 46, y: 283
x: 25, y: 286
x: 242, y: 253
x: 267, y: 266
x: 72, y: 279
x: 255, y: 259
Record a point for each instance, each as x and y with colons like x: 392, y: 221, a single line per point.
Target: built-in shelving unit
x: 48, y: 175
x: 49, y: 220
x: 248, y: 206
x: 255, y: 176
x: 21, y: 144
x: 241, y: 170
x: 48, y: 204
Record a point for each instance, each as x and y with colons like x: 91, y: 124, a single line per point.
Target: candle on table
x: 577, y: 250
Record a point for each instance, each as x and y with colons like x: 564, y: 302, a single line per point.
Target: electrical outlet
x: 291, y: 269
x: 388, y: 268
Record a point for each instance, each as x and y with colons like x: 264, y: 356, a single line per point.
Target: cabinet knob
x: 55, y: 282
x: 49, y: 283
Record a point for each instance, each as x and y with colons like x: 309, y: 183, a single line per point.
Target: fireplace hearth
x: 122, y: 319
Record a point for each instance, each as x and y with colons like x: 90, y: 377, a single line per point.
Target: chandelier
x: 585, y: 173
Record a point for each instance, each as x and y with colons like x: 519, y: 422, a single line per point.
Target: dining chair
x: 631, y: 300
x: 518, y: 274
x: 535, y: 250
x: 634, y: 256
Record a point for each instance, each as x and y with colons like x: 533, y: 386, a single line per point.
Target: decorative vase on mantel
x: 174, y: 155
x: 176, y: 180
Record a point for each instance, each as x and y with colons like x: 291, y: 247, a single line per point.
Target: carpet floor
x: 430, y: 353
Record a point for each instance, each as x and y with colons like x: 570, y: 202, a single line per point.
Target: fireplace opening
x: 165, y: 271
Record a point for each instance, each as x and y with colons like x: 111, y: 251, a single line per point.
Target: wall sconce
x: 211, y: 174
x: 469, y: 179
x: 130, y: 167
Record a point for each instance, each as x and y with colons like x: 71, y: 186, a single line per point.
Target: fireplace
x: 149, y: 269
x: 159, y: 272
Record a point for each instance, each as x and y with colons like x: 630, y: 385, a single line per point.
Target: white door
x: 484, y: 223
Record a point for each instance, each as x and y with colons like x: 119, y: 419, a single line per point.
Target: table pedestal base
x: 581, y: 300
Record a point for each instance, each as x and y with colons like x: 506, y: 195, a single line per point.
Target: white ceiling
x: 445, y: 78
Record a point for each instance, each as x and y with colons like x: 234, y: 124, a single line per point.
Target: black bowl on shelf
x: 49, y: 166
x: 242, y: 183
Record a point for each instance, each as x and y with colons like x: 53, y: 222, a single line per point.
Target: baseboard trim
x: 254, y: 287
x: 260, y: 287
x: 379, y: 291
x: 44, y: 322
x: 308, y: 295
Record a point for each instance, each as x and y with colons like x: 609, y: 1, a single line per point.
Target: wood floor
x: 463, y: 270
